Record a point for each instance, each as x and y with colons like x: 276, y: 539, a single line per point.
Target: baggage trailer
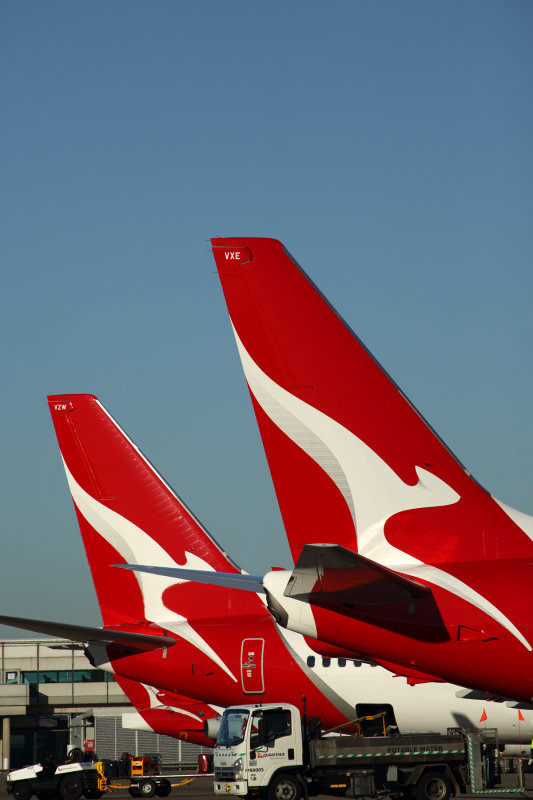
x: 268, y: 752
x: 83, y: 776
x: 145, y: 776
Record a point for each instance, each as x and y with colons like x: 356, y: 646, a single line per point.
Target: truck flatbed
x: 357, y: 751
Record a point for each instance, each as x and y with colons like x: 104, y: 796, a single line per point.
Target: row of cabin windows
x: 326, y: 662
x: 58, y: 676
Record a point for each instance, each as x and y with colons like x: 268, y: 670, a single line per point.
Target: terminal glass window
x: 86, y: 675
x: 65, y: 676
x: 47, y: 676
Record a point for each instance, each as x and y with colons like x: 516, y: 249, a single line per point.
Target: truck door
x: 275, y: 743
x: 252, y: 666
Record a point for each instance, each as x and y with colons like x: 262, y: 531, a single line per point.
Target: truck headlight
x: 237, y: 769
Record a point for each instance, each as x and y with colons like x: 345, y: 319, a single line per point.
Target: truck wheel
x: 147, y: 788
x: 134, y: 791
x: 163, y: 788
x: 433, y: 786
x: 71, y: 787
x: 285, y: 787
x: 22, y: 791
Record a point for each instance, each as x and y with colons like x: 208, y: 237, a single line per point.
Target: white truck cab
x: 254, y: 743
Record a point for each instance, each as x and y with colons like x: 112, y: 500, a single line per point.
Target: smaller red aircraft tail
x: 168, y: 713
x: 127, y: 513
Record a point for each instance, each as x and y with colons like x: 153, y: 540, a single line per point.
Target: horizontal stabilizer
x: 339, y: 580
x: 230, y: 580
x: 82, y: 633
x: 331, y: 572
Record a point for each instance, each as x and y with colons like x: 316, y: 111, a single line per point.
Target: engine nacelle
x: 211, y: 727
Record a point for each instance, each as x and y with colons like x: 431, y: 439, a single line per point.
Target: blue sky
x: 388, y: 145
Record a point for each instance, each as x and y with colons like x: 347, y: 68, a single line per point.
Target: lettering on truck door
x: 252, y: 666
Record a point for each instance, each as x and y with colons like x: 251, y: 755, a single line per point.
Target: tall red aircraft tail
x: 352, y: 461
x: 128, y: 514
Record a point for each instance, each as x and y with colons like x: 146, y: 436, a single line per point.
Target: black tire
x: 71, y: 787
x: 163, y: 788
x: 285, y: 787
x: 147, y: 788
x: 134, y: 791
x: 22, y: 791
x: 433, y: 786
x: 76, y: 755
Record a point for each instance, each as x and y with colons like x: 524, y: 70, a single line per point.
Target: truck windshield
x: 232, y: 727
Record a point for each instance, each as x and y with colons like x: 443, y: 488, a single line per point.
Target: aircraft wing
x: 477, y: 694
x: 82, y: 633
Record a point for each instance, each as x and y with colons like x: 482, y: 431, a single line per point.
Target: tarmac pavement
x: 201, y: 788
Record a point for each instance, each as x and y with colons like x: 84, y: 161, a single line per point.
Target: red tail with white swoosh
x: 436, y: 570
x: 167, y: 713
x: 128, y: 514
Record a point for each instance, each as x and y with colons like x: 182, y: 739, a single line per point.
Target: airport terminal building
x: 52, y: 699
